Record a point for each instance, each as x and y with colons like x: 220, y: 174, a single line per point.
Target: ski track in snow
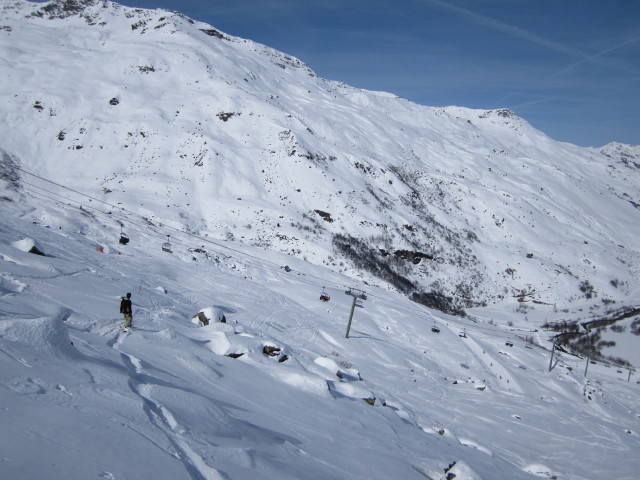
x: 161, y: 417
x: 273, y: 325
x: 504, y: 379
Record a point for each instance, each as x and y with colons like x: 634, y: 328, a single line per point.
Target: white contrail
x: 507, y: 28
x: 571, y: 67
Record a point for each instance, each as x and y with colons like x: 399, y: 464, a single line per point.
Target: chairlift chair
x: 435, y: 329
x: 123, y: 238
x: 323, y: 296
x: 166, y: 246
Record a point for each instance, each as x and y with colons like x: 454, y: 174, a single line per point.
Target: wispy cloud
x: 600, y: 54
x: 507, y: 28
x: 572, y: 67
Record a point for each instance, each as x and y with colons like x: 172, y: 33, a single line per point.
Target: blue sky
x: 569, y: 67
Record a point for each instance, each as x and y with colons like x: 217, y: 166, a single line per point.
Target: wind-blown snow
x: 254, y: 166
x: 175, y: 400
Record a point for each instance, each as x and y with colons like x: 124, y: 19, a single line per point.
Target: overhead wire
x: 129, y: 215
x: 422, y: 312
x: 80, y: 205
x: 144, y: 223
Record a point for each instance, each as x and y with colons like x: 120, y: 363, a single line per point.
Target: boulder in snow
x: 208, y: 315
x: 271, y: 351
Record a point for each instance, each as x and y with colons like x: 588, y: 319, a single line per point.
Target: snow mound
x: 460, y: 471
x: 209, y: 315
x: 29, y: 245
x: 539, y: 470
x: 46, y: 335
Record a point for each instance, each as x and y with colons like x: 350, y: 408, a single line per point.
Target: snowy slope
x: 170, y: 399
x: 273, y: 186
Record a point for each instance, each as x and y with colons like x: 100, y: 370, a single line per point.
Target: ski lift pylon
x: 354, y: 292
x: 166, y: 246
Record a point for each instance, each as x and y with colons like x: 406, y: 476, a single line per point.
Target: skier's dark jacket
x: 125, y: 306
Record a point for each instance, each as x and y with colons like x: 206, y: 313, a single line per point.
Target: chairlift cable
x: 417, y: 310
x: 131, y: 216
x: 80, y: 204
x: 124, y: 211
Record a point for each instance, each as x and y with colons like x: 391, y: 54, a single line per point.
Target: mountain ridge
x: 234, y: 139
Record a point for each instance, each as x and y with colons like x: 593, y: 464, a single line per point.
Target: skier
x: 125, y: 309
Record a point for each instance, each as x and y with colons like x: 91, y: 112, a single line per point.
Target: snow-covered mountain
x: 223, y: 136
x: 274, y: 185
